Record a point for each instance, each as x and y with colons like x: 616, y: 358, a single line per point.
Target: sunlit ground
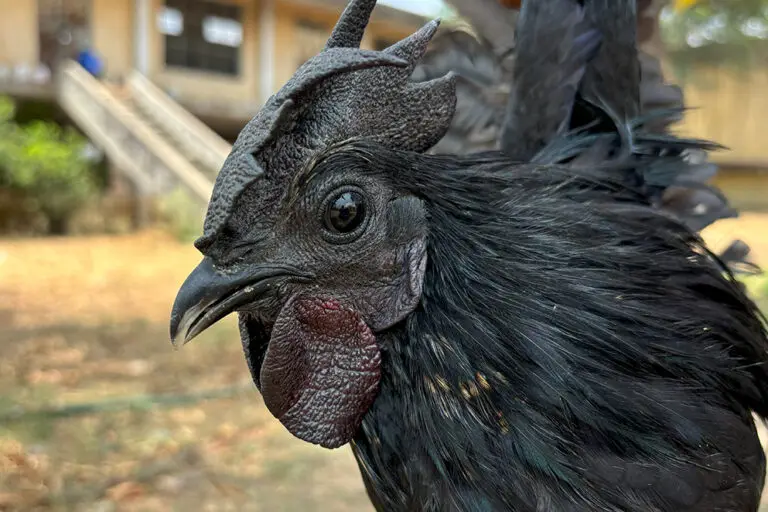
x: 85, y: 320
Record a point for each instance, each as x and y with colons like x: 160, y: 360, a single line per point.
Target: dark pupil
x: 346, y: 212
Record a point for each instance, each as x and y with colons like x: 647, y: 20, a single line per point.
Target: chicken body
x: 563, y: 372
x: 523, y: 329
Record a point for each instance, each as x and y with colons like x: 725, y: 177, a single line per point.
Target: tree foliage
x: 46, y: 165
x: 717, y: 32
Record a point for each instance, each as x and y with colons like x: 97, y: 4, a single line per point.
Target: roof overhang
x: 382, y: 13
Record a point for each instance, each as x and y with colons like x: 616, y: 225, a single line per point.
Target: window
x: 222, y: 31
x: 170, y: 22
x: 202, y: 35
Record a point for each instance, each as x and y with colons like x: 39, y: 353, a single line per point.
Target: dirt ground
x: 86, y: 319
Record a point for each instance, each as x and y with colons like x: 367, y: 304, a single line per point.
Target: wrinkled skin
x: 315, y: 373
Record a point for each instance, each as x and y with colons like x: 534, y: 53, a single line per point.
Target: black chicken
x: 487, y: 334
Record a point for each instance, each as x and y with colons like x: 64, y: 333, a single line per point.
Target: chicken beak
x: 209, y: 295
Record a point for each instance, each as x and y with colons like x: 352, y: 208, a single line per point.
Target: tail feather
x: 658, y: 167
x: 612, y: 79
x: 555, y: 46
x: 621, y: 113
x: 736, y: 257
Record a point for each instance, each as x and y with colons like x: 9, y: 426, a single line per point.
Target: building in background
x: 728, y: 105
x: 180, y: 77
x: 219, y: 58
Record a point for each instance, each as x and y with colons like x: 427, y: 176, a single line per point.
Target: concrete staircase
x: 157, y: 144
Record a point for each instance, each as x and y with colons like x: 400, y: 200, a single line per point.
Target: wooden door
x: 64, y: 27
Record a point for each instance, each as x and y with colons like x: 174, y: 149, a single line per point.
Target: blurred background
x: 115, y: 116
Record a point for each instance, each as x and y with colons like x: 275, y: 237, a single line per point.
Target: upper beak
x: 208, y: 295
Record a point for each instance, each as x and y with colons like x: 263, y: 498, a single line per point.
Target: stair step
x: 152, y: 125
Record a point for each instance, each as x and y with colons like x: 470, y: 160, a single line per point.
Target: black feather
x: 482, y: 89
x: 736, y: 257
x: 555, y: 47
x: 486, y: 80
x: 575, y: 349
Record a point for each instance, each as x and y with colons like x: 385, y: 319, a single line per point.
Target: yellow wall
x: 729, y: 107
x: 111, y: 31
x: 112, y: 34
x: 18, y: 32
x: 746, y: 190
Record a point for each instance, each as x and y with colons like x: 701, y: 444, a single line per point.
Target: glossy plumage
x: 495, y: 334
x: 551, y: 366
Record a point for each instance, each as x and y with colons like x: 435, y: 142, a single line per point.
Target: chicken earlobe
x: 321, y: 371
x: 386, y: 305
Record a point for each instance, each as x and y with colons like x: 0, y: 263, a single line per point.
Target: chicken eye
x: 345, y: 212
